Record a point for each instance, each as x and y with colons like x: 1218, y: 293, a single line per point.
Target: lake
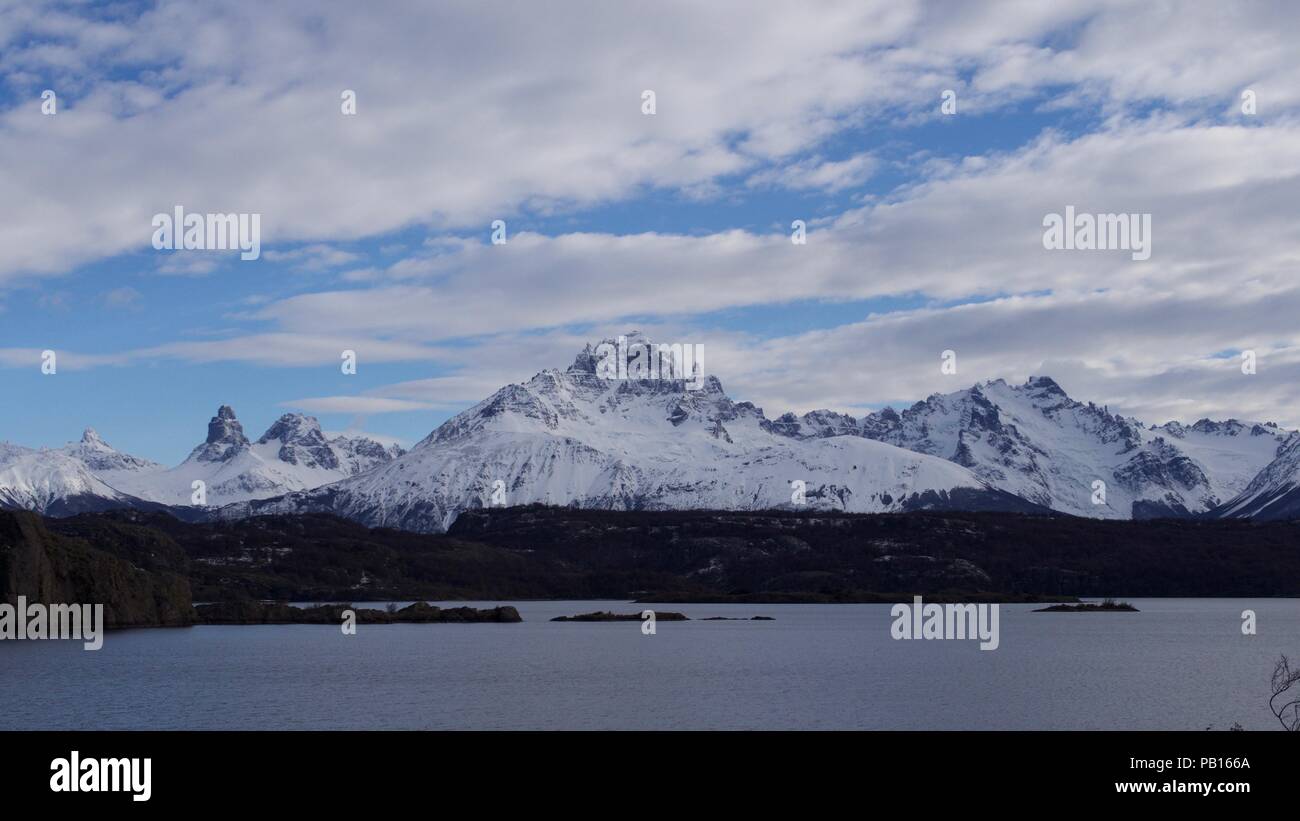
x: 1179, y: 664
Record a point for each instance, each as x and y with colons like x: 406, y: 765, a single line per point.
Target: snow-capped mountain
x: 53, y: 482
x: 1274, y: 493
x: 587, y: 437
x: 576, y: 437
x: 1232, y: 453
x: 100, y: 457
x: 1036, y: 442
x: 294, y: 454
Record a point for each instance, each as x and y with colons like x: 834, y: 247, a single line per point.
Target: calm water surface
x: 1180, y: 664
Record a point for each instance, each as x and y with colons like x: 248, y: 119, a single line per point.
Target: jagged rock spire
x: 225, y: 437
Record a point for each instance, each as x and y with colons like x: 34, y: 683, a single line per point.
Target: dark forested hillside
x: 136, y: 573
x: 537, y: 552
x: 851, y: 554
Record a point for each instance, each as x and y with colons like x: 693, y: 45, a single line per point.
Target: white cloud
x: 315, y: 257
x: 190, y: 263
x: 354, y: 404
x: 1147, y: 354
x: 819, y: 173
x: 270, y: 349
x: 971, y: 231
x: 1219, y: 278
x: 64, y: 360
x: 466, y: 113
x: 121, y: 298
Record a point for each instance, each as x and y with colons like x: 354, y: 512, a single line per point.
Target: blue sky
x: 924, y: 228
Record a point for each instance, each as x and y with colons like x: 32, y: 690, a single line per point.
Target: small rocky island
x: 605, y: 615
x: 255, y: 612
x: 1107, y: 606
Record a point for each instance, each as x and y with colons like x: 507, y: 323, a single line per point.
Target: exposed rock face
x: 362, y: 454
x: 301, y: 442
x: 225, y: 438
x: 56, y: 569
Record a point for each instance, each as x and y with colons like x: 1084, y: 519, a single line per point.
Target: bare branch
x: 1284, y: 678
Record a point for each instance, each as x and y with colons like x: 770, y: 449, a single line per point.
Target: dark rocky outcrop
x: 137, y: 574
x: 225, y: 438
x: 254, y: 612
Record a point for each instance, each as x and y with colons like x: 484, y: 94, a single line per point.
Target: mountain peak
x: 301, y: 442
x: 99, y: 455
x: 585, y: 361
x: 224, y: 427
x: 634, y: 357
x: 1228, y: 427
x: 225, y: 437
x: 591, y: 356
x: 1046, y: 384
x: 292, y: 427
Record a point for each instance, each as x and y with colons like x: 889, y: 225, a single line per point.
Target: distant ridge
x: 576, y: 437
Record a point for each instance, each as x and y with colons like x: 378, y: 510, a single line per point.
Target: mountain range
x: 90, y: 475
x: 576, y: 437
